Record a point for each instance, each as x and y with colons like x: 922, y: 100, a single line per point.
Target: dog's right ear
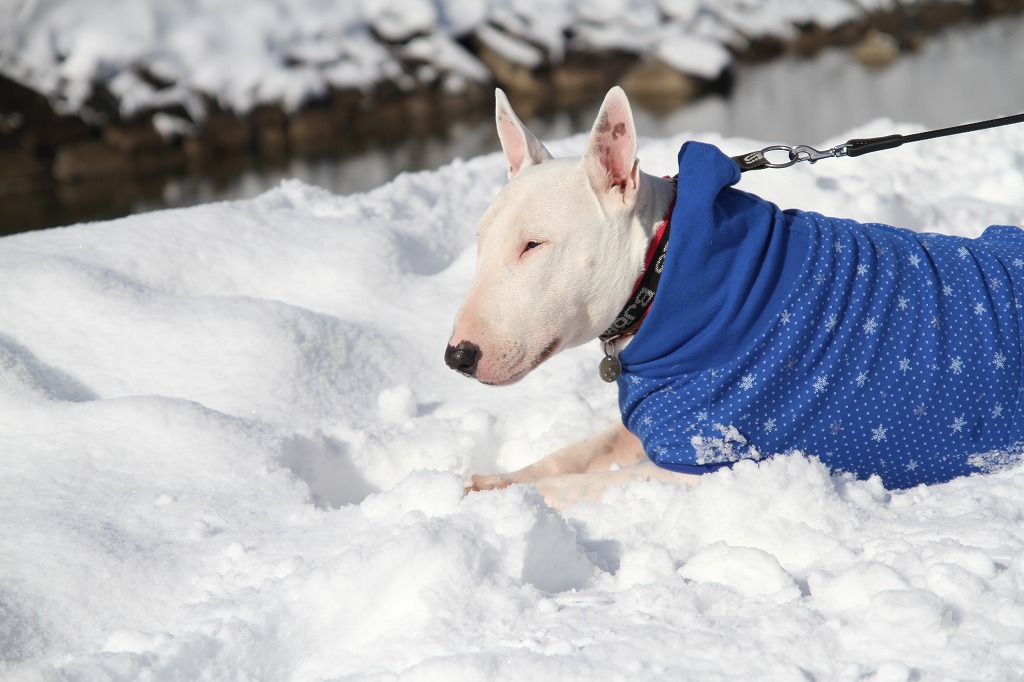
x: 610, y: 158
x: 521, y: 148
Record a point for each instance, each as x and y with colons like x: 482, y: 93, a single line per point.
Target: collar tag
x: 610, y: 367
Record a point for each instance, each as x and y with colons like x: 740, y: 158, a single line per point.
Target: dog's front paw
x: 487, y: 482
x: 557, y: 491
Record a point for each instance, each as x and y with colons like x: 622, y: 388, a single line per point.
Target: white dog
x: 770, y: 330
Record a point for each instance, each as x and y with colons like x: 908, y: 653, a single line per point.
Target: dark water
x: 963, y: 74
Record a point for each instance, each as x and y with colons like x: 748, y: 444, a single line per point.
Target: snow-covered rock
x: 289, y: 52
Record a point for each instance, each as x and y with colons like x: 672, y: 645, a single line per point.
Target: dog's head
x: 559, y: 249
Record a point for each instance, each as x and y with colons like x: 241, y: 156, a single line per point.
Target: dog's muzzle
x: 463, y: 358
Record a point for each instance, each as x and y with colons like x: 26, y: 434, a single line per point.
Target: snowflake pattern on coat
x: 877, y: 349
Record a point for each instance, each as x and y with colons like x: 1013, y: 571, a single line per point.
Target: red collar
x: 652, y: 248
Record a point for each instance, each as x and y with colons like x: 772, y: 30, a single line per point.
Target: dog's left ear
x: 522, y: 149
x: 610, y: 158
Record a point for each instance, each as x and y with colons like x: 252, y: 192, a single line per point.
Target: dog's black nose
x: 463, y: 357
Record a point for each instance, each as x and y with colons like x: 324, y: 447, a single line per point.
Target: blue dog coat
x: 877, y: 349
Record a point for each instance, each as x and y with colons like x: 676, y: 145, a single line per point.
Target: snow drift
x: 230, y: 449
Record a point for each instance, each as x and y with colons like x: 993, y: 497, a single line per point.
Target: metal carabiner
x: 802, y: 152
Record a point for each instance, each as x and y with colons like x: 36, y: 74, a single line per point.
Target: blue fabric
x: 877, y: 349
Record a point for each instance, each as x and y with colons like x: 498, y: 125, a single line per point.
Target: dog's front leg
x: 566, y: 489
x: 616, y: 446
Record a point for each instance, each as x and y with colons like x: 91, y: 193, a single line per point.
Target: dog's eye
x: 529, y: 246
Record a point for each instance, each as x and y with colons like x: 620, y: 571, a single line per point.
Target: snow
x: 156, y: 55
x: 230, y: 449
x: 399, y: 20
x: 449, y: 55
x: 694, y: 54
x: 511, y: 48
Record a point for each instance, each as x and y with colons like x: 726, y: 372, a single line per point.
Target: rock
x: 994, y: 7
x: 270, y: 131
x: 310, y: 131
x: 21, y: 171
x: 474, y: 102
x: 100, y: 200
x: 934, y: 16
x: 658, y: 86
x: 197, y: 154
x: 90, y: 160
x: 162, y: 162
x: 134, y: 138
x: 272, y: 143
x: 514, y: 63
x: 586, y: 76
x: 224, y: 133
x: 383, y: 120
x: 41, y: 127
x: 848, y: 33
x: 813, y: 38
x: 344, y: 102
x: 419, y: 115
x: 877, y: 50
x: 118, y: 157
x: 763, y: 47
x: 10, y: 126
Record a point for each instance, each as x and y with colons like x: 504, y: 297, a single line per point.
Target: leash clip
x: 800, y: 152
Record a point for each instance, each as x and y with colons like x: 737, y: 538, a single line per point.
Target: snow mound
x: 230, y: 449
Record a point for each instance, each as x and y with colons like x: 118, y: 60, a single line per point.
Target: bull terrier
x: 736, y: 330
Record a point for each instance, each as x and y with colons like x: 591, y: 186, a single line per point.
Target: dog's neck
x: 655, y: 201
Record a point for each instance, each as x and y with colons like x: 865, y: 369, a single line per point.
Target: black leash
x: 861, y: 146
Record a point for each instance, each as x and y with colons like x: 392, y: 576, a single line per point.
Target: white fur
x: 589, y: 221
